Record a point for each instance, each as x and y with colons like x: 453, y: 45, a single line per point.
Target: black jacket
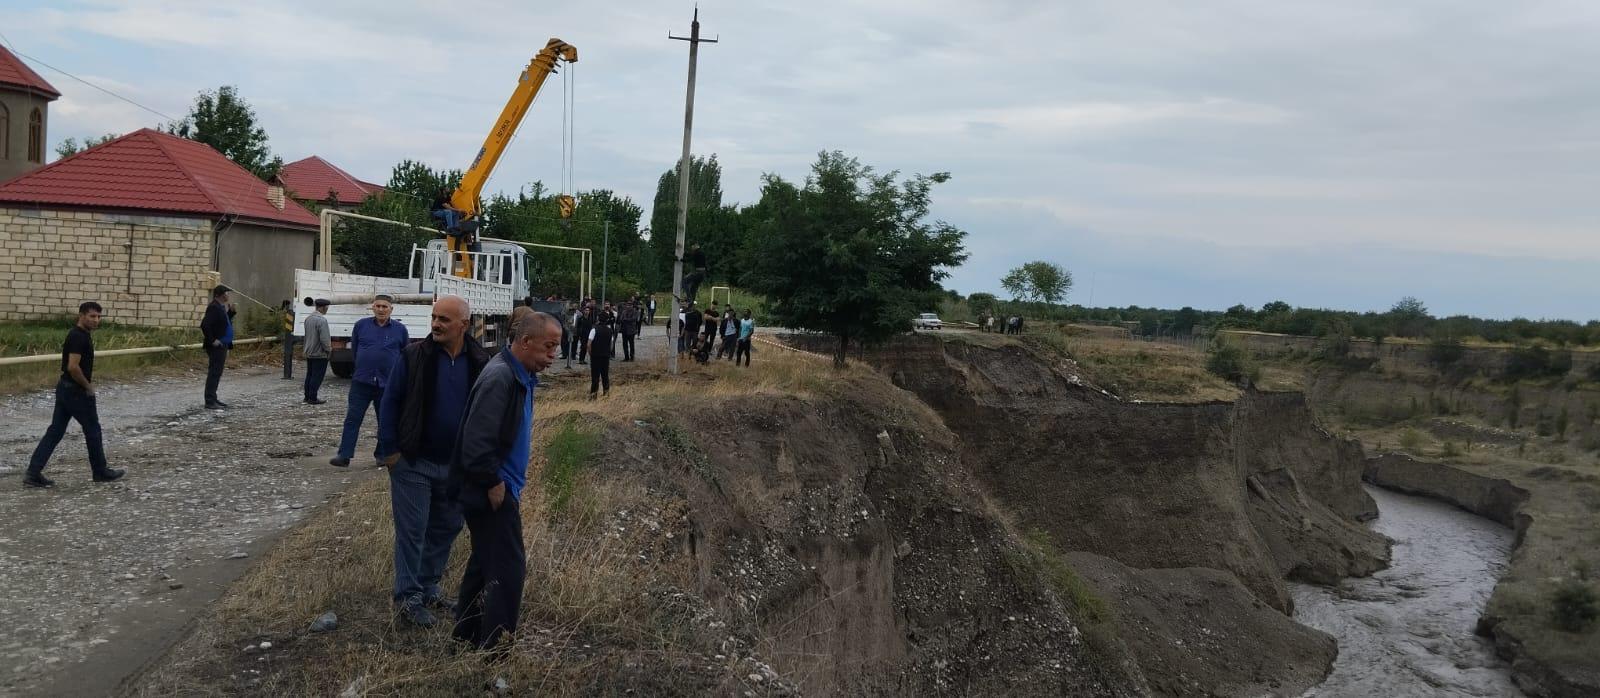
x: 600, y: 348
x: 584, y: 324
x: 494, y: 415
x: 419, y: 361
x: 215, y: 324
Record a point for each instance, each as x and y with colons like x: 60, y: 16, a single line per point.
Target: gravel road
x: 98, y: 578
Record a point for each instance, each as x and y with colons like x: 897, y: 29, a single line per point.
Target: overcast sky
x: 1335, y: 154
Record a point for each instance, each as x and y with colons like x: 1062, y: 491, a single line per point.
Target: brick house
x: 24, y: 116
x: 315, y: 181
x: 145, y: 224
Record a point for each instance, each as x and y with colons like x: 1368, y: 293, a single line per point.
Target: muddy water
x: 1408, y: 630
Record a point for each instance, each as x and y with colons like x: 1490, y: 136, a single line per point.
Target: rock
x: 500, y: 687
x: 128, y: 575
x: 238, y: 555
x: 325, y: 622
x: 356, y: 688
x: 265, y: 645
x: 756, y: 678
x: 249, y: 648
x: 175, y: 585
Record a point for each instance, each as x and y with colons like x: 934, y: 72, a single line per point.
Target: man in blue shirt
x: 375, y: 343
x: 489, y: 467
x: 423, y: 403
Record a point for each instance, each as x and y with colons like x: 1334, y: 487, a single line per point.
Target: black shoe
x: 109, y: 475
x: 33, y: 479
x: 442, y: 603
x: 223, y: 405
x: 417, y: 614
x: 340, y: 462
x: 215, y: 406
x: 316, y: 402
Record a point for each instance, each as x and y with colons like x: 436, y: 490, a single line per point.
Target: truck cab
x: 495, y: 262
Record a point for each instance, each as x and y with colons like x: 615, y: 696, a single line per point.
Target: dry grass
x: 1137, y: 370
x: 598, y: 603
x: 43, y: 374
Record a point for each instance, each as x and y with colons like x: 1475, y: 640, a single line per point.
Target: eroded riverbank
x: 1409, y: 630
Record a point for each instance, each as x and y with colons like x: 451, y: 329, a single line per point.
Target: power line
x: 86, y: 82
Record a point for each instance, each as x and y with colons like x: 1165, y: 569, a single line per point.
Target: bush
x: 1450, y: 450
x: 1444, y: 351
x: 1410, y: 439
x: 1227, y: 359
x: 1574, y: 606
x: 1536, y: 362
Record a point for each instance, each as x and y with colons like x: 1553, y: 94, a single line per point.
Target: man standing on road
x: 651, y: 307
x: 490, y: 466
x: 319, y: 346
x: 747, y: 331
x: 288, y: 339
x: 216, y: 332
x: 74, y: 400
x: 629, y: 327
x: 375, y: 343
x: 422, y: 409
x: 600, y: 356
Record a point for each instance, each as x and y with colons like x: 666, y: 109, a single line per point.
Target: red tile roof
x: 313, y: 177
x: 148, y: 170
x: 15, y: 73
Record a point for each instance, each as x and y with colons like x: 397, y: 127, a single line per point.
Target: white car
x: 927, y: 321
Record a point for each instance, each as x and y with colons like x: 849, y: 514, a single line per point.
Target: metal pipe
x: 16, y: 360
x: 356, y: 298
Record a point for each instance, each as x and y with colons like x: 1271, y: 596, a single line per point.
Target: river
x: 1408, y: 630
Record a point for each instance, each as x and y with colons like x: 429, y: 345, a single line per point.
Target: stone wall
x: 145, y: 270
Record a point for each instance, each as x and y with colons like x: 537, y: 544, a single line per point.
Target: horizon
x: 1329, y: 157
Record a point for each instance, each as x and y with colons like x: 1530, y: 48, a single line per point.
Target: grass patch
x: 569, y: 450
x: 1068, y: 586
x: 30, y: 337
x: 1138, y: 370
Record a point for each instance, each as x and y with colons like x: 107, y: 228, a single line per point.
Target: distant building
x: 24, y: 116
x: 317, y: 182
x: 145, y: 224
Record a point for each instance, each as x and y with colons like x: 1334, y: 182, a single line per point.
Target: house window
x: 5, y: 133
x: 36, y: 136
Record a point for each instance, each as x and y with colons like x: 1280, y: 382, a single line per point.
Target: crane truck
x: 492, y: 275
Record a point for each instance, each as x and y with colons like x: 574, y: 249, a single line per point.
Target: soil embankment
x: 1253, y: 490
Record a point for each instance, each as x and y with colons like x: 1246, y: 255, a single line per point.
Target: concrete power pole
x: 673, y: 328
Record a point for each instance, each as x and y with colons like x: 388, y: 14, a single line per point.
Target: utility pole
x: 673, y: 328
x: 605, y: 263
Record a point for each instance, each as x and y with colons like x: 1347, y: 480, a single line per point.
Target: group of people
x: 1009, y: 325
x: 454, y: 433
x: 595, y: 331
x: 702, y: 333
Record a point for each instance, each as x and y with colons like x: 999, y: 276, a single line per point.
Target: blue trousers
x: 71, y: 403
x: 362, y: 396
x: 426, y: 522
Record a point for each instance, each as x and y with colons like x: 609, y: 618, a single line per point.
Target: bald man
x: 417, y: 428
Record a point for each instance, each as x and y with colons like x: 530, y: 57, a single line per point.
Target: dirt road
x: 96, y: 579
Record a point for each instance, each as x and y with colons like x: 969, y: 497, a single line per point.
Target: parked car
x: 927, y: 321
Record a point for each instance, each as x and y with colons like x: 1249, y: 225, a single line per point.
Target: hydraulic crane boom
x: 459, y: 214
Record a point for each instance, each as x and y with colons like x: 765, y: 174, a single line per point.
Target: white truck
x: 498, y: 282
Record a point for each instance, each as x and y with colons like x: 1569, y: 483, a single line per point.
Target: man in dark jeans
x: 420, y: 420
x: 584, y: 326
x: 74, y: 400
x: 629, y: 328
x: 489, y: 469
x: 319, y: 347
x: 600, y: 356
x: 216, y: 331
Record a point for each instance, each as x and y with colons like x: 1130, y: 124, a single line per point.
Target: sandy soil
x: 97, y: 579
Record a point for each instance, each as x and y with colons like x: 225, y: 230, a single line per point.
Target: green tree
x: 382, y: 249
x: 1409, y: 317
x: 1038, y: 281
x: 70, y: 146
x: 850, y: 252
x: 705, y: 213
x: 223, y: 120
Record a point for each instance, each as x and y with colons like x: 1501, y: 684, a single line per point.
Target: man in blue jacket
x: 423, y: 404
x: 489, y: 468
x: 375, y: 343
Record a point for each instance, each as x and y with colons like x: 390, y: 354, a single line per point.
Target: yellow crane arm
x: 465, y: 197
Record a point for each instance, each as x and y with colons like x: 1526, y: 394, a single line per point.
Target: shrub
x: 1227, y: 359
x: 1574, y: 606
x: 1450, y: 450
x: 1444, y: 351
x: 1594, y: 372
x: 1410, y: 439
x: 565, y: 457
x: 1536, y: 361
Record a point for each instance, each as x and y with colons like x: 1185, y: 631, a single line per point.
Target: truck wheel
x: 343, y: 369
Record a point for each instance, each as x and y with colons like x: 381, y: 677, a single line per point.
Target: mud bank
x: 1543, y: 662
x: 1226, y: 499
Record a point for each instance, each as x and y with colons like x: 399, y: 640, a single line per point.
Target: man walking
x: 490, y: 466
x: 74, y: 401
x: 600, y: 355
x: 421, y: 418
x: 375, y: 343
x: 216, y: 332
x: 319, y: 346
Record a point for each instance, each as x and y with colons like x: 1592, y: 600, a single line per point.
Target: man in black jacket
x: 489, y: 468
x: 216, y: 331
x: 418, y: 423
x: 600, y: 355
x: 585, y: 324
